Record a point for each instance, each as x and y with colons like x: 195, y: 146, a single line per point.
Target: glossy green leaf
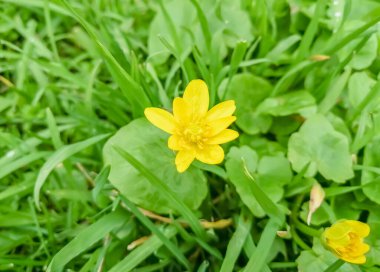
x: 148, y: 145
x: 301, y: 102
x: 371, y: 158
x: 249, y: 91
x: 258, y: 196
x: 317, y: 143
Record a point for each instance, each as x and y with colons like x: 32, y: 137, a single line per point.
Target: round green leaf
x: 359, y: 86
x: 323, y: 148
x: 271, y: 173
x: 149, y: 146
x: 366, y: 55
x: 301, y: 102
x: 249, y: 91
x: 371, y: 159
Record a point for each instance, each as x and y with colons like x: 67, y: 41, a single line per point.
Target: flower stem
x: 335, y: 266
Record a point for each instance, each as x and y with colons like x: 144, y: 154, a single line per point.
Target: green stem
x: 335, y: 266
x: 298, y: 240
x: 277, y: 265
x: 306, y: 229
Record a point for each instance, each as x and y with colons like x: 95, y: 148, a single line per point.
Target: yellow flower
x: 196, y: 132
x: 345, y: 240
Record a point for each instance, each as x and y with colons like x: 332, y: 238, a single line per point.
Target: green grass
x: 78, y: 162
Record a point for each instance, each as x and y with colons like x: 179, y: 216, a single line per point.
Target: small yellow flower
x: 196, y: 132
x: 345, y: 240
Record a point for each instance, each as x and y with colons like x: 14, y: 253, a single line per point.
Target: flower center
x: 194, y: 133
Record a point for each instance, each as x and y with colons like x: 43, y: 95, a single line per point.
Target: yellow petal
x: 360, y: 228
x: 183, y: 160
x: 354, y: 260
x: 174, y: 142
x: 196, y: 95
x: 221, y: 110
x: 223, y: 137
x: 339, y: 243
x: 338, y: 231
x: 360, y: 249
x: 161, y: 119
x: 181, y: 110
x: 211, y: 154
x: 219, y: 125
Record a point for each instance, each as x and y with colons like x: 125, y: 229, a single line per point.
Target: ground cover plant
x: 189, y: 135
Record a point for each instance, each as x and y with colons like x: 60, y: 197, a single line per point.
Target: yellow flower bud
x: 345, y: 239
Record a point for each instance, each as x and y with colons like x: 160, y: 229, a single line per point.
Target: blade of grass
x: 283, y: 46
x: 17, y: 189
x: 288, y: 77
x: 165, y: 191
x: 59, y: 156
x: 258, y: 259
x: 86, y: 238
x: 334, y: 92
x: 8, y: 168
x: 204, y: 25
x: 265, y: 202
x: 147, y: 223
x: 236, y: 59
x: 375, y: 91
x: 38, y: 227
x: 142, y: 252
x: 212, y: 250
x: 335, y: 266
x: 39, y: 4
x: 154, y: 267
x: 201, y: 64
x: 334, y: 191
x: 191, y: 239
x: 338, y: 45
x: 323, y: 89
x: 311, y: 30
x: 176, y: 54
x: 50, y: 31
x: 203, y: 267
x: 236, y: 242
x: 54, y: 132
x: 100, y: 181
x: 132, y: 91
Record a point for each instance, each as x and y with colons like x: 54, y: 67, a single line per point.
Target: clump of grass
x: 86, y: 184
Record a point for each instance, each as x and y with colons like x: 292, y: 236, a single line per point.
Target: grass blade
x: 147, y: 223
x: 265, y: 202
x: 311, y: 30
x: 334, y: 92
x: 237, y: 242
x: 132, y: 91
x: 86, y: 238
x: 54, y: 132
x: 257, y: 261
x: 8, y: 168
x: 142, y: 252
x: 59, y: 156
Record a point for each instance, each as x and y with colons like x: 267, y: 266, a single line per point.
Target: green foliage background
x: 77, y: 158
